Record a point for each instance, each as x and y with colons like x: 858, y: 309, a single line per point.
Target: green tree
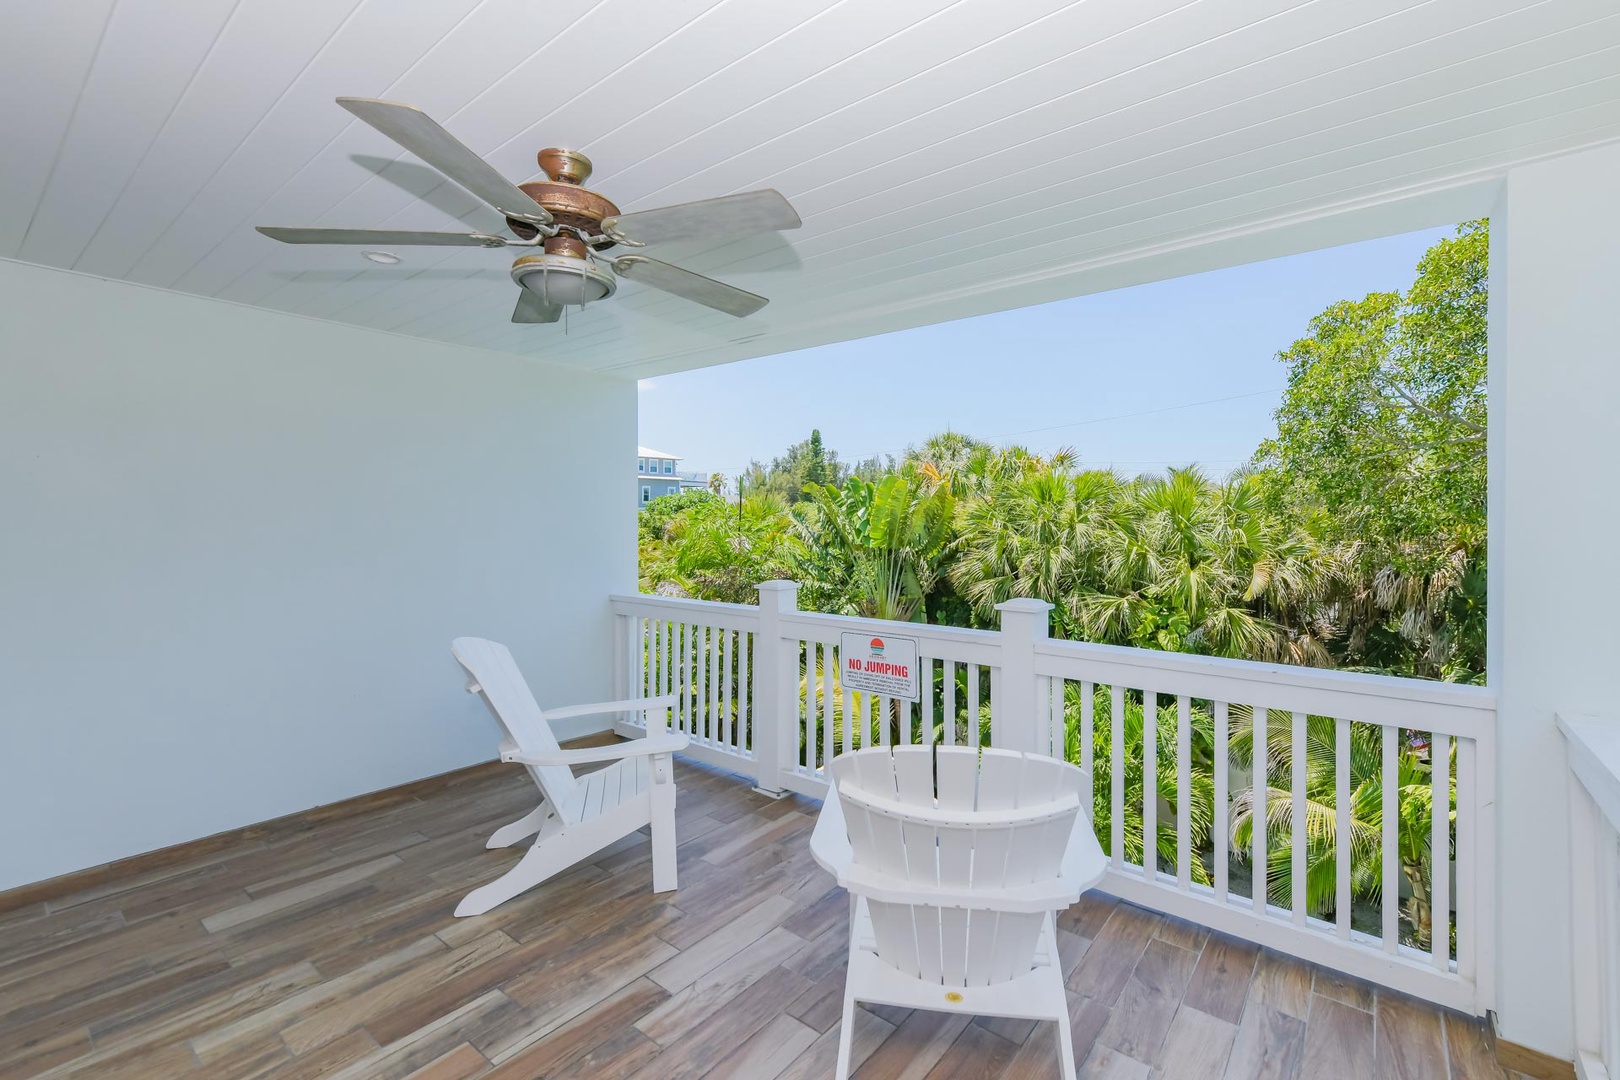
x: 705, y: 548
x: 815, y: 460
x: 879, y: 545
x: 1382, y: 431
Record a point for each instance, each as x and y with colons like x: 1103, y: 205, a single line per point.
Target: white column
x: 1554, y: 453
x: 776, y: 688
x: 1016, y: 724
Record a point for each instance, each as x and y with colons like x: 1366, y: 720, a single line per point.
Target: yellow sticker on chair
x: 953, y: 997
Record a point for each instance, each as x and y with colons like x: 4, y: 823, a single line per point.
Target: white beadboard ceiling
x: 947, y: 157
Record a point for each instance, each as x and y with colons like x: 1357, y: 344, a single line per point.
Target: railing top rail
x: 673, y: 605
x: 1153, y: 663
x: 856, y: 624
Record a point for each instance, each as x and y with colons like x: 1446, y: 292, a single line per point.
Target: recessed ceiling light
x: 385, y: 258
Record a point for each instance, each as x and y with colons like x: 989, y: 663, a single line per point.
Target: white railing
x: 704, y: 653
x: 1345, y: 754
x: 1594, y: 844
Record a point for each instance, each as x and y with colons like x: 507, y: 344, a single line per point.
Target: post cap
x: 778, y: 585
x: 1024, y: 605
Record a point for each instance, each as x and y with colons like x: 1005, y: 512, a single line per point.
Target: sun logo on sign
x: 877, y: 646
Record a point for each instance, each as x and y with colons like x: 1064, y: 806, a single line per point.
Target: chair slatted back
x: 995, y: 819
x: 503, y: 689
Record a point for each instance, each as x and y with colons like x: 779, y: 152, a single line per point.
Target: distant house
x: 657, y: 475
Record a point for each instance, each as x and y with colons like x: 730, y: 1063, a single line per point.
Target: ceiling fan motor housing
x: 570, y: 204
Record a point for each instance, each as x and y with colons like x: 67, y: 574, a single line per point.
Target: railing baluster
x: 809, y: 657
x: 702, y: 649
x: 1184, y: 853
x: 829, y: 706
x: 1222, y: 805
x: 1087, y: 764
x: 678, y: 668
x: 1467, y: 863
x: 660, y: 665
x: 1297, y: 840
x: 804, y: 653
x: 1391, y: 895
x: 710, y: 650
x: 655, y: 658
x: 1259, y: 799
x: 1440, y: 852
x: 1150, y: 785
x: 728, y: 700
x: 1342, y: 839
x: 639, y: 636
x: 717, y: 652
x: 948, y: 668
x: 666, y: 667
x: 1116, y: 776
x: 849, y: 713
x: 1047, y: 716
x: 745, y: 692
x: 926, y: 736
x: 973, y: 706
x: 694, y: 680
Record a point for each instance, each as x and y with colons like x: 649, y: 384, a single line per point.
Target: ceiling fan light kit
x: 565, y: 220
x: 569, y: 280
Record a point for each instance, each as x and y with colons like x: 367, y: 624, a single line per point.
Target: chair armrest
x: 829, y: 842
x: 1084, y: 863
x: 653, y: 744
x: 630, y: 705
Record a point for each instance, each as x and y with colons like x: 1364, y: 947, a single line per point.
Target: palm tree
x: 888, y: 538
x: 1415, y: 802
x: 944, y: 458
x: 1198, y: 802
x: 1195, y: 566
x: 1037, y: 535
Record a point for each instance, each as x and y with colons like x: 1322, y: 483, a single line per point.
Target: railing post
x: 775, y: 687
x: 1016, y: 725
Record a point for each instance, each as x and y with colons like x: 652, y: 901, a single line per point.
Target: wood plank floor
x: 333, y: 953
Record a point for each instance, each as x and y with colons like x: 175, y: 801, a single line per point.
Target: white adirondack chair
x: 576, y: 817
x: 953, y: 894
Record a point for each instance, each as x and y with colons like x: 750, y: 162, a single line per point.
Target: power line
x: 1096, y: 420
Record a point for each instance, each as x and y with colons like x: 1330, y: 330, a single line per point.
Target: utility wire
x: 1086, y: 423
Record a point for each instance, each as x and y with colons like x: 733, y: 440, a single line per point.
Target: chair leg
x: 663, y: 853
x: 523, y: 827
x: 538, y: 863
x: 1065, y: 1047
x: 846, y: 1036
x: 662, y: 818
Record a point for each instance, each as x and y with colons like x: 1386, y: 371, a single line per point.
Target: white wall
x: 235, y: 546
x: 1554, y: 455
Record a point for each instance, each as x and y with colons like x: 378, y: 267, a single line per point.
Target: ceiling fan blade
x: 532, y: 309
x: 419, y: 133
x: 380, y: 236
x: 729, y: 215
x: 688, y: 286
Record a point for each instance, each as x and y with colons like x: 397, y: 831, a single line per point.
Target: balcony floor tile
x: 331, y: 951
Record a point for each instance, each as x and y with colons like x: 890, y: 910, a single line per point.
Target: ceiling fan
x: 563, y: 222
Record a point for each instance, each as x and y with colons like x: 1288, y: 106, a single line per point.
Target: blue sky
x: 1079, y: 373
